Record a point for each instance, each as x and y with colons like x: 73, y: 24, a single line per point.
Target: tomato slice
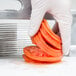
x: 49, y: 39
x: 39, y: 57
x: 35, y: 51
x: 29, y: 60
x: 49, y: 31
x: 49, y: 50
x: 48, y: 46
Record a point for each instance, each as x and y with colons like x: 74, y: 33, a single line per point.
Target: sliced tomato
x: 29, y: 60
x: 39, y: 57
x: 49, y: 31
x: 49, y: 39
x: 35, y: 51
x: 48, y: 46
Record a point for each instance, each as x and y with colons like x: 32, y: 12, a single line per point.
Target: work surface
x: 15, y: 66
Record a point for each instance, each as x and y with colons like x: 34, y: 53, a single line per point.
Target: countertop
x: 16, y: 66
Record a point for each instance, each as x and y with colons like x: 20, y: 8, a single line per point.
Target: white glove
x: 60, y: 10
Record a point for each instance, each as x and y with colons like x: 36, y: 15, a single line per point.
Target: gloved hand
x: 60, y: 10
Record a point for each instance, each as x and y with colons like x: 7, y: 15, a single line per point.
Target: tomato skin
x: 48, y: 46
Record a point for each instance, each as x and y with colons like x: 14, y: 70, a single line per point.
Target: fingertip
x: 31, y: 33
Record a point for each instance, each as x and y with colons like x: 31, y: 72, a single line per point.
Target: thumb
x: 36, y: 19
x: 38, y: 12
